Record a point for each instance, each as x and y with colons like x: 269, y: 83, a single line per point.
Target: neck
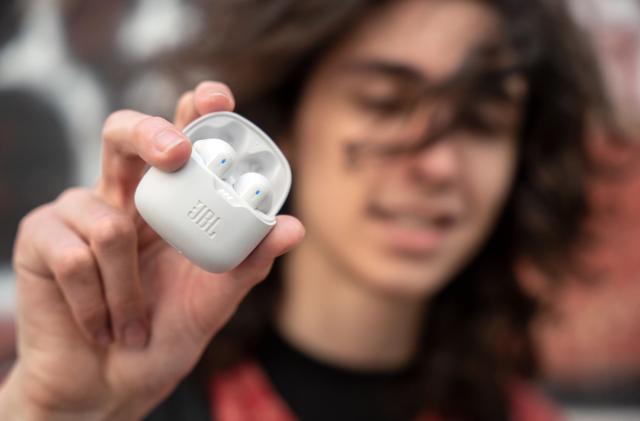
x: 332, y: 315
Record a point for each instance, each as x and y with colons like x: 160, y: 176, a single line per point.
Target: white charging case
x: 200, y: 214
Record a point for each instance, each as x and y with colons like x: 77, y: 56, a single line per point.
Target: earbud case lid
x: 200, y: 214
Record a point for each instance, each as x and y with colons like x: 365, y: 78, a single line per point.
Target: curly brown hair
x: 476, y: 337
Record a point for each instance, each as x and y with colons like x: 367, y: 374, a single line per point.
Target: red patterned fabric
x: 528, y: 404
x: 244, y: 393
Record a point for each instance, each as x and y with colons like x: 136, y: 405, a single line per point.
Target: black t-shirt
x: 318, y: 391
x: 312, y: 389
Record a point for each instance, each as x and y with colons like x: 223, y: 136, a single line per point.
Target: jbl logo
x: 205, y: 218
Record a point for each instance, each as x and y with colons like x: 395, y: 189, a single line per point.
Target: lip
x: 411, y: 230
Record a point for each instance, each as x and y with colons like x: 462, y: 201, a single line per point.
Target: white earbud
x: 255, y: 189
x: 217, y: 155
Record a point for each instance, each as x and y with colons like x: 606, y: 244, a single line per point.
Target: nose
x: 437, y: 166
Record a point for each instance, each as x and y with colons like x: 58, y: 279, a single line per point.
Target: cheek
x: 490, y: 173
x: 326, y: 192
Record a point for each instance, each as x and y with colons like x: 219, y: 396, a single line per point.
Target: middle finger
x: 112, y: 236
x: 207, y: 97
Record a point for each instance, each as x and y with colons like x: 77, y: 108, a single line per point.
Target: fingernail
x: 103, y: 337
x: 135, y: 335
x: 215, y: 92
x: 166, y: 140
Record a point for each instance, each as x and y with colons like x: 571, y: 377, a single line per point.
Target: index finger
x: 131, y: 141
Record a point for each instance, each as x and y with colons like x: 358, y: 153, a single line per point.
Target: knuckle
x: 72, y: 262
x: 149, y: 126
x: 72, y: 195
x: 110, y: 123
x: 127, y: 305
x: 112, y: 230
x: 30, y: 219
x: 185, y: 99
x: 93, y: 315
x: 29, y: 232
x: 259, y: 273
x: 30, y: 226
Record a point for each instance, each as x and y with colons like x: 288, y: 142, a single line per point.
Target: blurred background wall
x: 65, y: 64
x: 591, y: 347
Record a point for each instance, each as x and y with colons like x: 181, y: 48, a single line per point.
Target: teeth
x: 412, y: 221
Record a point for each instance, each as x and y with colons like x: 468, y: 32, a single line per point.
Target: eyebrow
x: 386, y: 68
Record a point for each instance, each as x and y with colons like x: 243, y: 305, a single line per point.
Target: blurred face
x: 401, y: 222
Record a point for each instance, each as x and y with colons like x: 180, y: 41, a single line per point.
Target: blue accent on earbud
x: 257, y: 192
x: 223, y: 161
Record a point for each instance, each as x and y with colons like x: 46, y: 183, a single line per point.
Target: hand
x: 110, y: 317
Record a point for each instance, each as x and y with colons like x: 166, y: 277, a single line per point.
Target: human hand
x: 110, y: 317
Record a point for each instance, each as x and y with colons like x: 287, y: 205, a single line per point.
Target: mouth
x: 411, y: 230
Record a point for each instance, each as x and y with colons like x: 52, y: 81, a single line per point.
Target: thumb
x: 230, y: 288
x: 287, y: 233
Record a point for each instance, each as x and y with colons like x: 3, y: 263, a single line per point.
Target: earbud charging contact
x: 193, y: 208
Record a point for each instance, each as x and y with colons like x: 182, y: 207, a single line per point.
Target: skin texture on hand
x: 110, y: 317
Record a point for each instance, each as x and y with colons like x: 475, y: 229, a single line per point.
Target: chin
x: 417, y: 275
x: 412, y: 280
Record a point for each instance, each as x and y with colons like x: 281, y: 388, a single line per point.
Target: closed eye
x: 384, y: 106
